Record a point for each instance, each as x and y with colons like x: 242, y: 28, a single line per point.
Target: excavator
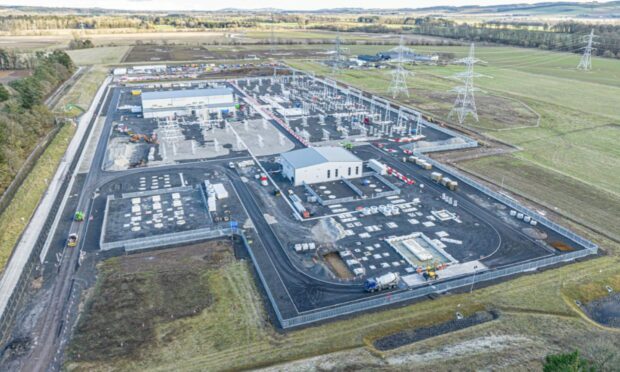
x: 430, y: 273
x: 139, y: 137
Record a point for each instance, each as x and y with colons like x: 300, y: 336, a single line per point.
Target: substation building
x: 320, y: 164
x: 199, y: 102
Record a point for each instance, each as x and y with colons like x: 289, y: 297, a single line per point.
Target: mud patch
x: 399, y: 339
x: 337, y: 266
x: 605, y: 311
x: 136, y: 293
x: 562, y: 247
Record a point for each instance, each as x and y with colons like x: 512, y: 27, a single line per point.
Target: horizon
x: 170, y: 5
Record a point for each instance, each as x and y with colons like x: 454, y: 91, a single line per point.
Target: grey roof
x: 210, y: 105
x: 317, y: 155
x: 168, y: 94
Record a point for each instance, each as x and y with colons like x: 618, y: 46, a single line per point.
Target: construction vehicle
x: 385, y: 281
x: 430, y: 273
x: 79, y: 216
x: 72, y: 240
x: 136, y: 92
x: 148, y: 139
x: 347, y: 145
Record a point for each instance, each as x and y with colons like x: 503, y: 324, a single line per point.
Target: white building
x: 320, y: 164
x: 143, y: 69
x: 167, y: 103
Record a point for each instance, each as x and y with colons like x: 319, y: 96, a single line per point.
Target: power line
x: 465, y: 103
x: 336, y: 61
x: 272, y: 38
x: 585, y: 63
x: 398, y: 85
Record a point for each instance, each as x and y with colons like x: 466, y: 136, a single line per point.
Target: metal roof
x: 318, y: 155
x: 170, y: 94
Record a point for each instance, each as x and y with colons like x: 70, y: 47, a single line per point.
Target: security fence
x: 430, y: 288
x: 158, y: 241
x: 514, y: 205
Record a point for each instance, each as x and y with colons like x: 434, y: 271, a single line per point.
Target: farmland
x: 572, y: 147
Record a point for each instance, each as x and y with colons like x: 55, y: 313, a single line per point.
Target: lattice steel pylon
x: 272, y: 37
x: 465, y: 102
x: 398, y: 85
x: 337, y: 56
x: 585, y: 63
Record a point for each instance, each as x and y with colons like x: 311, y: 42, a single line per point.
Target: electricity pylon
x: 337, y: 56
x: 398, y: 85
x: 272, y: 37
x: 586, y: 59
x: 465, y: 102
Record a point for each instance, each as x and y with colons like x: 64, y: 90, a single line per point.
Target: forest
x: 24, y: 118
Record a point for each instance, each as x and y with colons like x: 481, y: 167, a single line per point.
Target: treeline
x: 39, y: 22
x: 17, y: 23
x: 12, y: 59
x: 566, y: 36
x: 24, y: 118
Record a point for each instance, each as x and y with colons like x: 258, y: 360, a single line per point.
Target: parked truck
x: 385, y: 281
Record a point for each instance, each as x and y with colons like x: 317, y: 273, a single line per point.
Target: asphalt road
x: 52, y: 333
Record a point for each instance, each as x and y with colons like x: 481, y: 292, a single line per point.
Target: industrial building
x: 320, y: 164
x: 197, y: 102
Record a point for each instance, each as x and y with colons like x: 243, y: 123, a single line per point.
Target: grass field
x: 81, y: 94
x: 232, y: 331
x: 569, y: 160
x: 17, y: 215
x: 98, y: 56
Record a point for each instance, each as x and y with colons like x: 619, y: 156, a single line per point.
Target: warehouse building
x: 320, y: 164
x: 197, y: 102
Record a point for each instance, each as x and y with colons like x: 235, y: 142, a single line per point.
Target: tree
x: 567, y: 362
x: 4, y: 93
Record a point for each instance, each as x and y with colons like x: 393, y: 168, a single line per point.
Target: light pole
x: 471, y: 289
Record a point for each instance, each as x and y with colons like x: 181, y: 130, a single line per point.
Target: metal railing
x: 158, y: 241
x: 514, y: 205
x: 447, y: 147
x: 427, y: 289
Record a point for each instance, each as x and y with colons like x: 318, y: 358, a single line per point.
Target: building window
x: 357, y: 170
x: 336, y: 171
x: 349, y: 172
x: 329, y: 173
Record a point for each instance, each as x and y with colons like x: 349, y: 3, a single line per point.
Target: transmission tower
x: 337, y: 56
x: 465, y: 101
x: 272, y: 37
x: 400, y: 74
x: 586, y: 59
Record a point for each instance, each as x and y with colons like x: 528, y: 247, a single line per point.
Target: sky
x: 253, y: 4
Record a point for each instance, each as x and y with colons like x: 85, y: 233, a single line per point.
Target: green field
x: 229, y: 329
x: 569, y: 160
x: 79, y: 97
x: 98, y: 56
